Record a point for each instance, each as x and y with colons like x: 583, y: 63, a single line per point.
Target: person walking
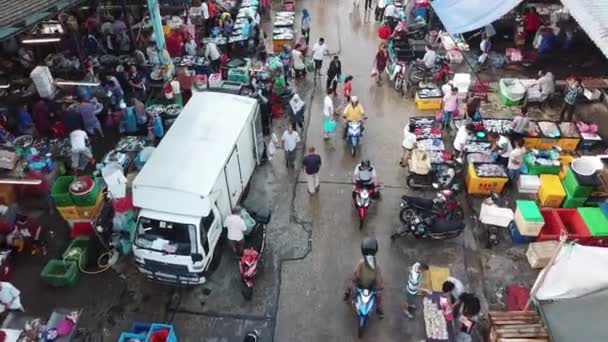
x: 334, y: 72
x: 449, y: 106
x: 380, y: 7
x: 298, y: 62
x: 312, y: 165
x: 290, y: 140
x: 408, y: 143
x: 236, y: 227
x: 414, y: 280
x: 367, y: 6
x: 348, y: 88
x: 319, y: 50
x: 305, y: 25
x: 574, y: 91
x: 328, y: 113
x: 81, y: 153
x: 380, y: 61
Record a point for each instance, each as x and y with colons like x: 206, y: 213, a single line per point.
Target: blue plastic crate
x: 140, y: 328
x: 516, y: 237
x: 604, y: 209
x: 126, y: 336
x: 157, y: 327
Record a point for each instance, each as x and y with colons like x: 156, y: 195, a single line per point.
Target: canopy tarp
x: 459, y: 16
x: 592, y: 16
x: 577, y: 271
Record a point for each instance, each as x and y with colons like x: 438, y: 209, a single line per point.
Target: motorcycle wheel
x: 247, y: 292
x: 360, y: 331
x: 353, y: 151
x: 405, y: 215
x: 398, y: 84
x: 361, y: 223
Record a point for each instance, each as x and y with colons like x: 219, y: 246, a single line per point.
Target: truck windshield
x: 166, y: 237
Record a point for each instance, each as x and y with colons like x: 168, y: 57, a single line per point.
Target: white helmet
x: 354, y: 99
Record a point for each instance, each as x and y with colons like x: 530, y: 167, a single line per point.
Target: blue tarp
x: 459, y: 16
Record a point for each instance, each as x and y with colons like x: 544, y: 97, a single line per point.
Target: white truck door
x: 232, y: 170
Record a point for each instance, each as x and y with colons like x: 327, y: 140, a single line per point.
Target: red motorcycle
x: 251, y: 259
x: 363, y: 195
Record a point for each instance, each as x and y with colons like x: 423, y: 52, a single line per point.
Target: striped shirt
x: 414, y: 279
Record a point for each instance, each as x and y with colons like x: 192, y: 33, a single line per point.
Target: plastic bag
x: 374, y: 72
x: 329, y: 126
x: 271, y: 150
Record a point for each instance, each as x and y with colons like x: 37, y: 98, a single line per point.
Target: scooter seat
x: 418, y: 202
x: 444, y: 226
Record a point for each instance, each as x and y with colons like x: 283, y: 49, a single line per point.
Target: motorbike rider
x: 429, y: 58
x: 367, y: 274
x: 353, y: 112
x: 365, y: 176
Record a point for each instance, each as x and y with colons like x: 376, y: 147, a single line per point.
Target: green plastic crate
x: 89, y: 199
x: 58, y: 273
x: 535, y: 170
x: 81, y: 244
x: 596, y: 221
x: 60, y: 191
x: 506, y: 100
x: 529, y: 211
x: 571, y: 184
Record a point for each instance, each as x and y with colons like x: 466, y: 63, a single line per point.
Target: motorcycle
x: 250, y: 260
x: 354, y: 130
x: 495, y: 215
x: 441, y: 176
x: 364, y: 303
x: 362, y: 200
x: 416, y: 31
x: 426, y: 226
x: 397, y: 75
x: 443, y: 206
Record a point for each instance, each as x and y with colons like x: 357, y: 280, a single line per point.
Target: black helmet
x: 369, y: 246
x: 366, y: 164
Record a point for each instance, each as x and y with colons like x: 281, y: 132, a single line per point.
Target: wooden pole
x: 543, y: 275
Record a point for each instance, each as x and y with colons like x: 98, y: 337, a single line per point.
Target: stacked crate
x: 576, y: 193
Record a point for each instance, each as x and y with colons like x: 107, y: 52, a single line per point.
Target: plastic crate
x: 573, y: 186
x: 539, y: 253
x: 171, y: 337
x: 60, y: 191
x: 535, y: 170
x: 551, y: 193
x: 91, y: 212
x: 68, y: 213
x: 81, y: 244
x: 553, y: 227
x: 516, y: 237
x: 528, y: 218
x: 506, y: 100
x: 88, y: 199
x: 545, y: 143
x: 574, y: 224
x: 140, y: 328
x: 81, y: 229
x: 128, y: 336
x: 483, y: 185
x: 595, y: 220
x: 58, y: 273
x: 531, y: 142
x: 429, y: 103
x: 568, y: 144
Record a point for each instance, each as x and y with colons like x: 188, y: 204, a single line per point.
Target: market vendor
x: 136, y: 82
x: 462, y: 136
x: 213, y: 54
x: 81, y: 153
x: 501, y: 147
x: 89, y: 110
x: 520, y: 124
x: 114, y: 92
x: 544, y: 86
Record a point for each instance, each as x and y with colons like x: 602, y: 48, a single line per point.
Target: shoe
x: 379, y: 313
x: 409, y: 314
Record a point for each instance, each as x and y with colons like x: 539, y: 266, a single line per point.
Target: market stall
x: 60, y: 326
x: 283, y: 32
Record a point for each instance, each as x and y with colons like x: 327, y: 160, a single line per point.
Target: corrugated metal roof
x: 15, y: 15
x: 592, y: 16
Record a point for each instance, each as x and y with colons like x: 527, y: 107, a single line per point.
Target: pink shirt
x: 450, y: 102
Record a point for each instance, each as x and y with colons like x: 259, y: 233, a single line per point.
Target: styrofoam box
x: 539, y: 253
x: 527, y: 228
x: 528, y: 184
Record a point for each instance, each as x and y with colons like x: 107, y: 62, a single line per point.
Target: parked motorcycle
x: 443, y: 206
x: 426, y: 226
x: 397, y: 75
x: 362, y: 200
x: 354, y: 130
x: 418, y: 72
x: 364, y: 303
x: 441, y: 176
x: 250, y: 260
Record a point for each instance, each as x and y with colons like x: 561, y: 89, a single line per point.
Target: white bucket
x: 586, y: 166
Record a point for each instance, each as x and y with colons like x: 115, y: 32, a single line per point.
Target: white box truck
x: 191, y: 182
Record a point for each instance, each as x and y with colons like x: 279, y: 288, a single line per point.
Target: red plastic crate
x: 553, y: 227
x: 82, y: 229
x: 575, y: 226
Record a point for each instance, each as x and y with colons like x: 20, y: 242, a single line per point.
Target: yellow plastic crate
x: 568, y: 144
x: 428, y: 104
x: 551, y: 192
x: 531, y: 142
x: 546, y: 143
x: 483, y: 185
x: 565, y: 160
x: 92, y: 211
x: 68, y: 213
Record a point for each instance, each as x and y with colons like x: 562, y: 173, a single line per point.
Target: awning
x: 17, y: 15
x: 592, y: 16
x: 459, y: 16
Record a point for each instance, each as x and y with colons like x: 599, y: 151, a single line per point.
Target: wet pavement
x: 313, y: 242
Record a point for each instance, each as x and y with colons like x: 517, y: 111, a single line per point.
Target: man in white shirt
x: 80, y: 150
x: 290, y: 140
x: 213, y: 53
x: 380, y: 6
x: 546, y: 83
x: 429, y: 57
x: 236, y: 231
x: 319, y: 50
x: 205, y: 10
x: 408, y: 143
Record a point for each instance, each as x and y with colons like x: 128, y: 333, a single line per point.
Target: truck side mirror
x: 196, y: 257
